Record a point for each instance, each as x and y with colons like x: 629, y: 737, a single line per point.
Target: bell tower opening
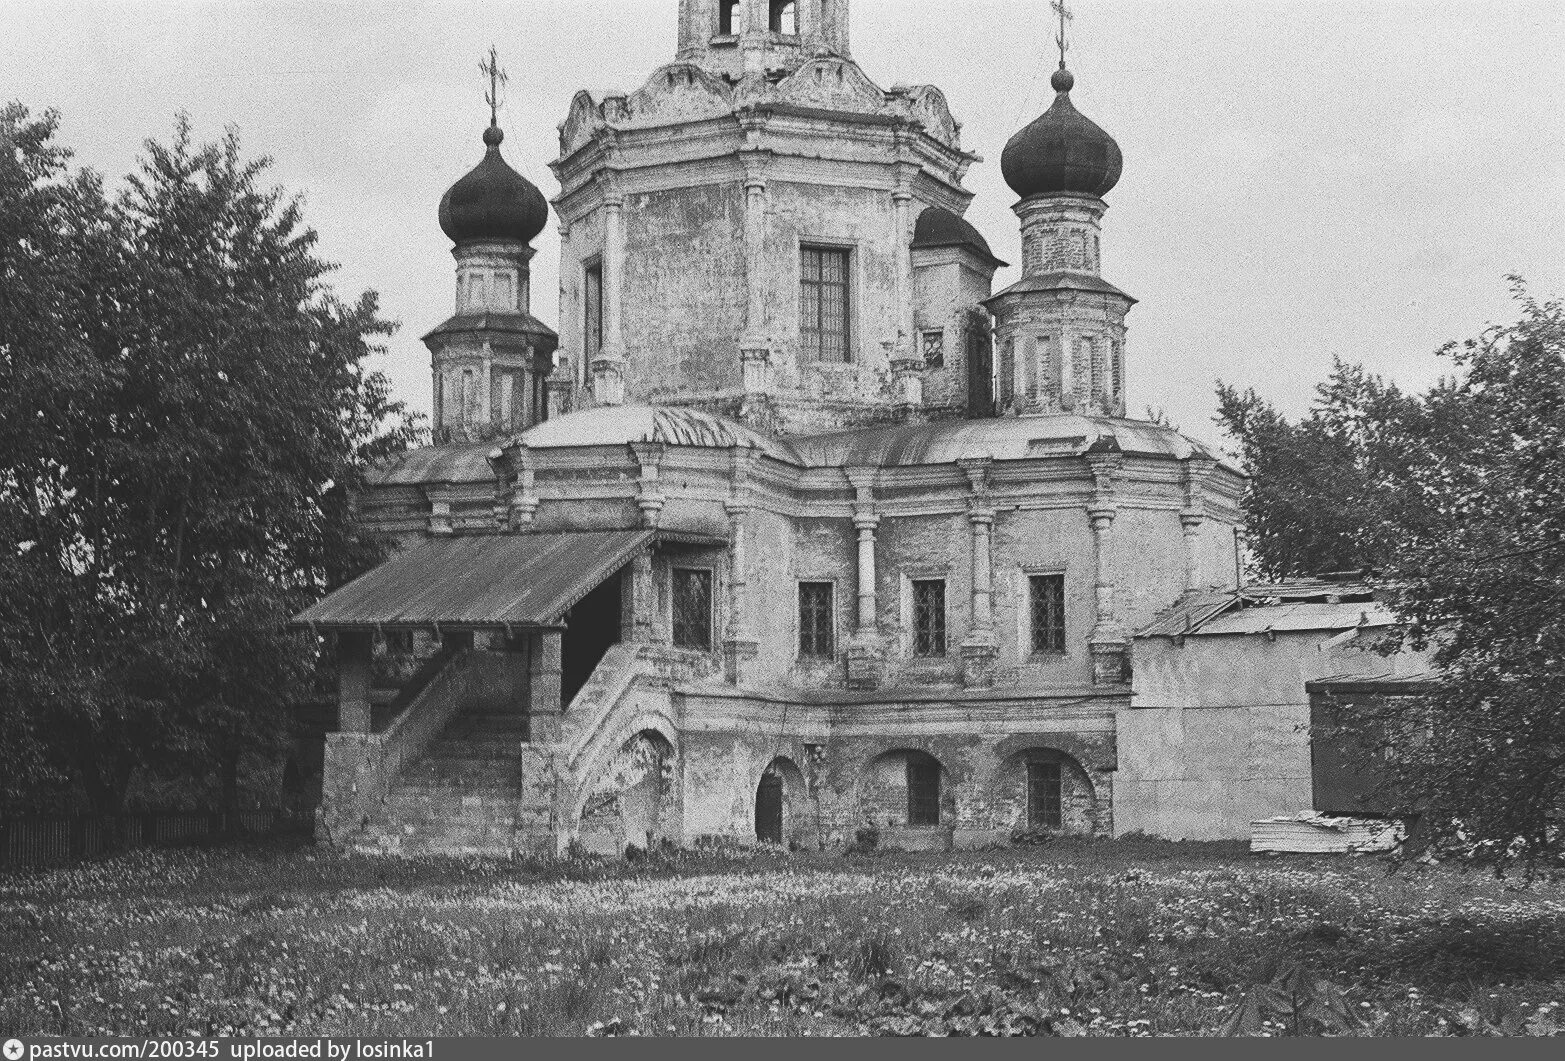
x: 727, y: 17
x: 783, y: 17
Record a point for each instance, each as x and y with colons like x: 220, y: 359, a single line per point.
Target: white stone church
x: 793, y: 529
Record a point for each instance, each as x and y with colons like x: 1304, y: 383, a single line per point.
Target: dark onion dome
x: 1061, y: 151
x: 939, y: 227
x: 493, y: 201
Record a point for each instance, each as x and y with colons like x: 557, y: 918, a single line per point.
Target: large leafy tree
x: 1456, y: 499
x: 193, y: 406
x: 1482, y: 583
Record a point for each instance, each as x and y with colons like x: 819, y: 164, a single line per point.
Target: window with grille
x: 823, y: 302
x: 934, y: 348
x: 923, y: 792
x: 929, y: 617
x: 693, y: 608
x: 1047, y: 594
x: 815, y: 620
x: 1043, y: 796
x: 592, y: 319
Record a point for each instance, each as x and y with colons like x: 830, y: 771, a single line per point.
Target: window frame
x: 674, y: 571
x: 915, y: 643
x: 830, y: 623
x: 1051, y: 800
x: 1061, y: 644
x: 812, y: 353
x: 920, y: 799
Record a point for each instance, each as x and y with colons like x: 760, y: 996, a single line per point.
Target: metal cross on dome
x: 490, y: 68
x: 1065, y: 16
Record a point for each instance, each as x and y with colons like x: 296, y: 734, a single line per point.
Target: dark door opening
x: 769, y: 809
x: 591, y: 629
x: 980, y: 372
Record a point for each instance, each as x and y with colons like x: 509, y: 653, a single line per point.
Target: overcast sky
x: 1302, y: 179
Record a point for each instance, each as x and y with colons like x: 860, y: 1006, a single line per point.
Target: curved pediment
x: 679, y: 92
x: 927, y: 105
x: 830, y: 82
x: 581, y: 122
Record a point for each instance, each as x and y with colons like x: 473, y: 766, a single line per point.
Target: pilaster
x: 1108, y: 643
x: 650, y: 498
x: 865, y: 650
x: 981, y: 647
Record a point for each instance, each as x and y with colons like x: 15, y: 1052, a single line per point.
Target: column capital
x: 980, y: 517
x: 866, y: 522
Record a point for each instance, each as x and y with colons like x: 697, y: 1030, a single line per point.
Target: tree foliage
x: 184, y: 405
x: 1456, y: 497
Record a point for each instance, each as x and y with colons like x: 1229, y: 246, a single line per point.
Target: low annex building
x: 796, y: 528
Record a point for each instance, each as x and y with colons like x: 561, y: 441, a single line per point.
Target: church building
x: 792, y: 528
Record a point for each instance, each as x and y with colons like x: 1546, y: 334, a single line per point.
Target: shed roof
x: 1268, y: 609
x: 478, y: 582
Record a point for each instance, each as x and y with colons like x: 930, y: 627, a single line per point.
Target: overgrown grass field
x: 1105, y: 938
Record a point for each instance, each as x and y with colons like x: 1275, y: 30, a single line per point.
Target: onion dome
x: 493, y: 201
x: 1061, y: 151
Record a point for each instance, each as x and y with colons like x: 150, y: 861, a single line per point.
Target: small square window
x: 929, y: 617
x: 815, y: 620
x: 693, y: 608
x: 1047, y: 597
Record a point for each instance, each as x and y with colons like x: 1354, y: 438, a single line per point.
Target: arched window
x: 1007, y: 372
x: 783, y: 17
x: 728, y: 17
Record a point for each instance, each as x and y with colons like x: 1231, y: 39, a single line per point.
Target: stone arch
x: 1033, y: 777
x: 796, y: 823
x: 633, y: 798
x: 886, y: 800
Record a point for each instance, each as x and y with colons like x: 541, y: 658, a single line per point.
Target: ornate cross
x: 490, y: 68
x: 1065, y: 16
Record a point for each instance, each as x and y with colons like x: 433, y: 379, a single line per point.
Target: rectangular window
x: 934, y: 348
x: 1043, y: 795
x: 693, y: 608
x: 923, y: 792
x: 823, y: 303
x: 815, y: 620
x: 929, y: 617
x: 1047, y: 595
x: 592, y: 315
x: 1007, y: 372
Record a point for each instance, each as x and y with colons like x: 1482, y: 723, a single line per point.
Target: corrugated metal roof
x: 1188, y: 612
x: 465, y: 462
x: 1282, y: 618
x: 486, y: 582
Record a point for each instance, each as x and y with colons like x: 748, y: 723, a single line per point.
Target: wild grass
x: 1122, y: 938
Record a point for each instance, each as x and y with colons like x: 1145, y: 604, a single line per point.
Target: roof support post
x: 355, y: 649
x: 544, y: 706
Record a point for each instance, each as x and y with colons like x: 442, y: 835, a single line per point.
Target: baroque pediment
x: 831, y: 83
x: 582, y: 120
x: 927, y: 105
x: 679, y: 92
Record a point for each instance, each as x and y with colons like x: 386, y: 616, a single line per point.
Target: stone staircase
x: 466, y: 794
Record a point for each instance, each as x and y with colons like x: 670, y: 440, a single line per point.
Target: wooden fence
x: 56, y: 840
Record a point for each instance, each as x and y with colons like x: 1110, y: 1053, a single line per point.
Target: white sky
x: 1302, y: 179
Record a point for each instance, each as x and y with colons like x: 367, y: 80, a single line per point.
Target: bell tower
x: 736, y: 37
x: 1060, y: 329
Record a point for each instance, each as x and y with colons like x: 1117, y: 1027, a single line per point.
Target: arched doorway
x: 783, y: 812
x: 769, y: 809
x: 906, y: 789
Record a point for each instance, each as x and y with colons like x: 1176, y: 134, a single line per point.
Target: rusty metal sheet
x: 479, y: 582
